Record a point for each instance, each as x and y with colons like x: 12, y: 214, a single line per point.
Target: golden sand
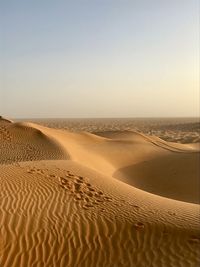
x: 113, y: 199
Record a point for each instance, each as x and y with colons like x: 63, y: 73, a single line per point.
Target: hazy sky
x: 99, y: 58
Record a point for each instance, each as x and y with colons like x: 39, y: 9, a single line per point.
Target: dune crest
x: 25, y: 142
x: 5, y: 120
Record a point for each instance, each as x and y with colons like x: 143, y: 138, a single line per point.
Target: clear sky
x: 99, y: 58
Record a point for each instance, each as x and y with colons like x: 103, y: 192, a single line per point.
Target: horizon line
x: 142, y: 117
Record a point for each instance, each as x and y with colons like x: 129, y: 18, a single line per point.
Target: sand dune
x: 4, y: 120
x: 180, y: 130
x: 103, y: 199
x: 24, y: 142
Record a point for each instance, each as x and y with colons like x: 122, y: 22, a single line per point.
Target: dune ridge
x: 5, y: 120
x: 103, y: 199
x: 24, y: 142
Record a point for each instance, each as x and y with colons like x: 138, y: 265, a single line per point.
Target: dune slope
x: 80, y: 199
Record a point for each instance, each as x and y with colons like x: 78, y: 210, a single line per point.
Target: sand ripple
x: 61, y: 206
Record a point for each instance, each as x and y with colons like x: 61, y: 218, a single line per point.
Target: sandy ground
x: 180, y: 130
x: 114, y: 197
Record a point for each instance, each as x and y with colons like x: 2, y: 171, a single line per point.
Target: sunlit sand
x: 101, y: 197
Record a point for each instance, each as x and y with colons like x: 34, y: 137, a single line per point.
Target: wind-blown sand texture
x: 113, y: 199
x: 180, y: 130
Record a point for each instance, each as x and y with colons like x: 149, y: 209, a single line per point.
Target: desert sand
x: 119, y: 198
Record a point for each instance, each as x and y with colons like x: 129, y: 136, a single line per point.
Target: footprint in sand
x: 63, y: 181
x: 90, y: 194
x: 139, y: 226
x: 86, y: 206
x: 136, y: 207
x: 31, y: 171
x: 52, y: 175
x: 91, y: 189
x: 81, y: 190
x: 108, y: 198
x: 165, y: 233
x: 77, y: 187
x: 194, y: 240
x: 80, y: 182
x: 171, y: 213
x: 78, y: 197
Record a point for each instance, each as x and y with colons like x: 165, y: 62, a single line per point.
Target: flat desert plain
x: 106, y: 193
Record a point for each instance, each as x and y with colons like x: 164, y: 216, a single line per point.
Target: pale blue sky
x: 99, y: 58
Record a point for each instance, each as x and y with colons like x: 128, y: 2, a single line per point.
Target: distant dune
x: 108, y: 198
x: 180, y: 130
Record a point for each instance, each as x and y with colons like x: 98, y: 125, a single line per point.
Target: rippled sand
x: 114, y: 195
